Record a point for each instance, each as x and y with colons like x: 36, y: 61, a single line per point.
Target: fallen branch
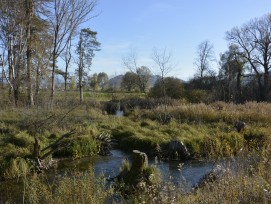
x: 56, y: 143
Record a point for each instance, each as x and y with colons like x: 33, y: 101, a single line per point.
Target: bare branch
x: 163, y: 60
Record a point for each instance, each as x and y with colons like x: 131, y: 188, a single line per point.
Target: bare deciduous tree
x: 205, y: 54
x: 67, y: 58
x: 29, y: 15
x: 163, y: 60
x: 143, y: 72
x: 13, y: 40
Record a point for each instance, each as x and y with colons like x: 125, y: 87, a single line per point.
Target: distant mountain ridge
x: 115, y: 81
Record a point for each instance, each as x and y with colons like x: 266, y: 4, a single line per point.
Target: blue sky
x: 178, y: 25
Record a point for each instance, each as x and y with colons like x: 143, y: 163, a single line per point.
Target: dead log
x: 36, y: 150
x: 38, y: 162
x: 57, y: 142
x: 55, y: 146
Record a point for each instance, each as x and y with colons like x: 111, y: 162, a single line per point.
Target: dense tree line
x: 244, y: 69
x: 36, y: 35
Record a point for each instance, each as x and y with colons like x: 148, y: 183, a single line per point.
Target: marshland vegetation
x: 206, y: 129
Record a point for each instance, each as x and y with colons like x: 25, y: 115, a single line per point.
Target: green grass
x: 78, y: 147
x: 211, y: 139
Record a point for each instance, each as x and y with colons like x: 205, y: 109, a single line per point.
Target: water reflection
x: 119, y: 113
x: 190, y: 172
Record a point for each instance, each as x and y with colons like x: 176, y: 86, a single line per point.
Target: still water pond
x: 190, y: 172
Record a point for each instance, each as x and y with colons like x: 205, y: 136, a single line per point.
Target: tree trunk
x: 53, y: 72
x: 29, y: 14
x: 10, y: 65
x: 16, y: 80
x: 238, y: 88
x: 36, y: 150
x: 80, y: 70
x: 68, y: 57
x: 37, y: 83
x: 260, y: 96
x: 266, y: 88
x: 2, y: 64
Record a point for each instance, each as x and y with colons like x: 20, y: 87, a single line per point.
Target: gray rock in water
x: 177, y: 150
x: 240, y: 125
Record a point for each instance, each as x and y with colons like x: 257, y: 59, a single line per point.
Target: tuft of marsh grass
x: 21, y: 139
x: 78, y: 147
x: 76, y: 187
x: 14, y: 168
